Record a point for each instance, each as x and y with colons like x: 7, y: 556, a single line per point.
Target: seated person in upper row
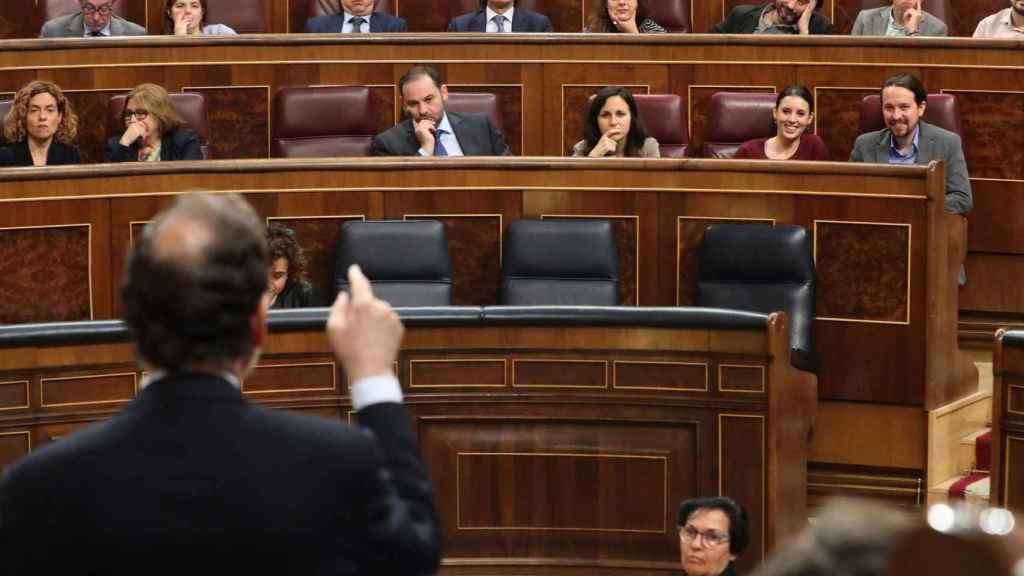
x: 1007, y: 23
x: 356, y: 16
x: 902, y: 18
x: 614, y: 128
x: 777, y: 17
x: 430, y: 130
x: 626, y: 16
x: 95, y: 18
x: 793, y: 113
x: 41, y: 127
x: 153, y: 130
x: 188, y: 17
x: 495, y: 16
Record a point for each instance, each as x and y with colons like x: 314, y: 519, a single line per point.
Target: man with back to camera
x: 95, y: 18
x: 497, y: 16
x: 776, y: 17
x: 907, y: 139
x: 430, y: 129
x: 356, y: 16
x: 902, y: 18
x: 190, y: 477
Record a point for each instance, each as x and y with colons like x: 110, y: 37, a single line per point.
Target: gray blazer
x: 477, y: 136
x: 934, y: 144
x: 873, y: 22
x: 73, y: 26
x: 651, y: 149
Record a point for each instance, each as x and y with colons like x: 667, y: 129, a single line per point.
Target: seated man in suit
x: 902, y: 18
x: 776, y: 17
x: 192, y: 477
x: 430, y: 130
x: 96, y: 18
x: 495, y: 16
x: 356, y: 16
x: 906, y: 139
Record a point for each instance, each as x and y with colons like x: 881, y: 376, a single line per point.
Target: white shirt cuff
x: 421, y: 152
x: 375, y: 390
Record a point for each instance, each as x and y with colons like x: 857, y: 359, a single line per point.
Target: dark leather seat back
x: 191, y: 106
x: 672, y: 15
x: 761, y: 268
x: 316, y: 8
x: 664, y: 117
x: 734, y: 118
x: 323, y: 121
x: 485, y: 102
x: 243, y: 16
x: 406, y: 260
x: 559, y: 263
x: 942, y: 111
x: 5, y: 107
x: 50, y: 9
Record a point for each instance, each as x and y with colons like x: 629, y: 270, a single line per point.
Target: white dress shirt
x: 492, y: 26
x: 347, y: 26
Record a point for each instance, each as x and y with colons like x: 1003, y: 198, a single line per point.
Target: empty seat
x: 316, y: 8
x: 478, y: 102
x: 191, y: 106
x: 559, y: 263
x: 734, y: 118
x: 672, y: 15
x: 323, y: 121
x: 406, y: 260
x: 942, y: 111
x: 664, y: 117
x: 762, y: 268
x: 243, y: 16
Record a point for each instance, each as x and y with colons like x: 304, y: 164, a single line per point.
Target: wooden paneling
x: 741, y: 453
x: 294, y: 376
x: 559, y: 374
x: 738, y: 378
x: 239, y: 121
x: 13, y: 445
x: 994, y: 151
x: 14, y: 395
x: 1008, y: 421
x: 36, y: 289
x: 457, y: 373
x: 77, y: 391
x: 661, y: 376
x: 836, y: 117
x: 984, y: 294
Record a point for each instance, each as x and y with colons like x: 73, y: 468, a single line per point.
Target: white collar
x: 508, y: 15
x: 156, y: 375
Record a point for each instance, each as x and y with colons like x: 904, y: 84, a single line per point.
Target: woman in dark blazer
x: 40, y: 128
x: 286, y: 280
x: 153, y: 130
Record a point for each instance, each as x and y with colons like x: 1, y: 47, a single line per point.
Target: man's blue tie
x: 357, y: 23
x: 439, y: 149
x: 499, y: 22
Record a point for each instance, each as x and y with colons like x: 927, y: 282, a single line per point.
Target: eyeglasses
x: 104, y: 10
x: 708, y: 539
x: 140, y: 113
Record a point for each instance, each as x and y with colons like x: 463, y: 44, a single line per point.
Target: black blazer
x: 379, y: 22
x: 477, y: 136
x: 744, y: 18
x: 522, y: 21
x: 178, y: 144
x: 297, y: 294
x: 190, y: 477
x: 58, y: 154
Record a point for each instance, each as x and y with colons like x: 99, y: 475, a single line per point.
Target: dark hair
x: 281, y: 243
x: 190, y: 303
x: 602, y: 22
x: 416, y: 72
x: 797, y: 91
x: 737, y: 518
x: 910, y: 82
x: 169, y: 22
x: 637, y: 134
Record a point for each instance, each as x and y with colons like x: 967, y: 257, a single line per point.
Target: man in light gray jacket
x: 902, y: 18
x: 95, y: 19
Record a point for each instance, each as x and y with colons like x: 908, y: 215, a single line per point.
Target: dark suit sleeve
x: 545, y: 24
x: 115, y: 152
x: 823, y: 25
x: 725, y: 26
x: 399, y: 25
x: 958, y: 185
x: 379, y: 147
x: 451, y: 25
x: 498, y: 145
x: 187, y: 141
x: 857, y: 154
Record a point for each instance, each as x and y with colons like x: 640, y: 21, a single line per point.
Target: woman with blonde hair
x: 153, y: 130
x: 40, y: 128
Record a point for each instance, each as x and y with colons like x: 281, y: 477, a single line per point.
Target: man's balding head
x: 194, y: 281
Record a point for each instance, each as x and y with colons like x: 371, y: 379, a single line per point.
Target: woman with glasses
x: 188, y: 17
x: 712, y: 534
x: 40, y: 128
x: 153, y: 130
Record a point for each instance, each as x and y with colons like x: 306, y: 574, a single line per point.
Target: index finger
x: 359, y: 285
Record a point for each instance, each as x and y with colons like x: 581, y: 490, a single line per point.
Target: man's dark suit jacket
x: 744, y: 18
x: 178, y: 144
x: 192, y: 478
x: 477, y: 136
x: 379, y: 22
x: 58, y: 154
x: 522, y: 21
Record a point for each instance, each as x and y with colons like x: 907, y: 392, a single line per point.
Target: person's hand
x: 137, y: 130
x: 182, y: 22
x: 606, y: 145
x: 625, y: 23
x: 426, y: 130
x: 803, y: 25
x: 912, y: 18
x: 364, y: 332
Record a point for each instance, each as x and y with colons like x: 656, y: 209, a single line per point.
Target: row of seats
x: 573, y: 262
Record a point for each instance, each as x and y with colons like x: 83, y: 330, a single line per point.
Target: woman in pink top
x: 793, y: 113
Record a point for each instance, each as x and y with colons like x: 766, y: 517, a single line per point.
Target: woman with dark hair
x: 613, y: 128
x: 188, y: 17
x: 287, y: 274
x: 712, y: 535
x: 627, y: 16
x: 40, y: 128
x: 153, y: 130
x: 793, y: 113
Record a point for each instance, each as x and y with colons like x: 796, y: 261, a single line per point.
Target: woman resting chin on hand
x: 613, y: 128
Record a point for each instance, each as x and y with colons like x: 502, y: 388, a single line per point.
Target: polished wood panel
x: 292, y: 376
x: 81, y: 390
x: 14, y: 395
x: 661, y: 376
x: 239, y: 121
x: 1008, y: 422
x: 45, y: 273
